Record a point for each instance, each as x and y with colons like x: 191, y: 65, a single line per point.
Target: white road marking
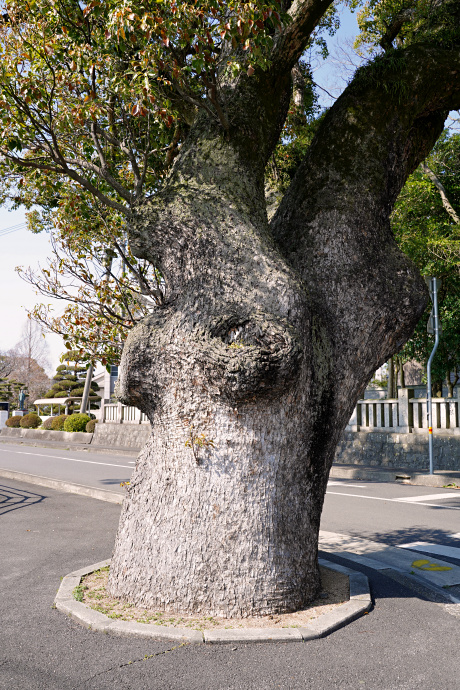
x: 392, y: 500
x: 437, y: 549
x: 430, y: 497
x: 59, y: 457
x: 355, y: 486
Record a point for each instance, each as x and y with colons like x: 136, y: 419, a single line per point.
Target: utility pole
x: 87, y: 389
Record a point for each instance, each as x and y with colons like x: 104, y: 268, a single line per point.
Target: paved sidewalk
x: 405, y: 642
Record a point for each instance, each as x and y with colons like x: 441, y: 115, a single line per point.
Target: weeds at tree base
x: 92, y: 592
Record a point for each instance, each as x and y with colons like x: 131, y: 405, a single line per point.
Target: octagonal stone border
x: 359, y: 603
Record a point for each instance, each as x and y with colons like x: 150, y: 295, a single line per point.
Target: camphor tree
x: 250, y: 367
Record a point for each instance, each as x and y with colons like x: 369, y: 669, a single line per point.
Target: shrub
x: 30, y: 421
x: 78, y: 391
x: 58, y: 422
x: 47, y: 424
x: 14, y: 422
x: 90, y: 426
x: 76, y: 422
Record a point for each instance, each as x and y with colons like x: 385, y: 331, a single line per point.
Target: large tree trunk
x: 224, y: 504
x: 251, y: 370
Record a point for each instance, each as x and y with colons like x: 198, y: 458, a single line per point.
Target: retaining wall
x: 122, y: 435
x: 108, y: 435
x: 398, y: 450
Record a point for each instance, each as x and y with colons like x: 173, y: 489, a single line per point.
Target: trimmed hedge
x: 14, y: 422
x: 30, y: 421
x: 90, y: 426
x: 48, y: 423
x: 76, y: 422
x: 58, y: 422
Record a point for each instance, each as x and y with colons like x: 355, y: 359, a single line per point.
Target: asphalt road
x: 384, y: 512
x: 406, y: 642
x: 90, y: 469
x: 395, y: 514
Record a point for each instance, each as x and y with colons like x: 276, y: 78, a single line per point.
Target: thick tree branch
x: 394, y: 28
x: 333, y: 223
x: 442, y: 192
x: 305, y: 15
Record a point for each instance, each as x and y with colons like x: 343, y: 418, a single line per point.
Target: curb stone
x: 394, y: 474
x: 360, y: 603
x: 62, y: 485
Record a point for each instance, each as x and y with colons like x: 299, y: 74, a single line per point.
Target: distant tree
x: 426, y: 223
x: 105, y: 288
x: 6, y: 363
x: 9, y: 391
x: 69, y: 381
x: 26, y: 361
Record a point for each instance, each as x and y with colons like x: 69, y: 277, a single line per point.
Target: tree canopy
x: 96, y: 101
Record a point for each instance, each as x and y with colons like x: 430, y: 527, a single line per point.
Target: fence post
x: 353, y: 423
x: 405, y: 411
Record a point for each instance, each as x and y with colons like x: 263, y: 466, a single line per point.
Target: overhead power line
x: 12, y: 228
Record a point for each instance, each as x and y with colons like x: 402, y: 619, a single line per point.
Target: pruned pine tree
x: 266, y: 333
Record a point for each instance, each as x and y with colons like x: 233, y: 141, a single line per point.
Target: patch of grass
x: 78, y: 592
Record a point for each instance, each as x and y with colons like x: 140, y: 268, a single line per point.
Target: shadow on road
x: 114, y: 481
x: 405, y: 535
x: 14, y: 499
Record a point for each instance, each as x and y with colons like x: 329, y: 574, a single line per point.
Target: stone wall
x: 129, y: 436
x: 398, y: 450
x: 133, y: 436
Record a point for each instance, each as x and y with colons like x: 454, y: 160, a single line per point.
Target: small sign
x: 429, y: 280
x: 430, y: 325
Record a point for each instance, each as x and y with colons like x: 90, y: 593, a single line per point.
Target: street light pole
x: 433, y: 327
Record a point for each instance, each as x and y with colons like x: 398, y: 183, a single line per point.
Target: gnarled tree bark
x: 268, y: 333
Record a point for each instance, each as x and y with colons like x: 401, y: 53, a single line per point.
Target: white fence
x: 406, y: 414
x: 403, y: 415
x: 116, y: 413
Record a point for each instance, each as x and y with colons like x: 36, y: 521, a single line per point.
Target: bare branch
x: 442, y: 192
x: 113, y: 141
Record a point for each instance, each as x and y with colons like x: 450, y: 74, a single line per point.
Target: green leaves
x: 427, y: 233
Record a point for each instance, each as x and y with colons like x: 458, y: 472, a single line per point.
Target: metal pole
x: 434, y: 296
